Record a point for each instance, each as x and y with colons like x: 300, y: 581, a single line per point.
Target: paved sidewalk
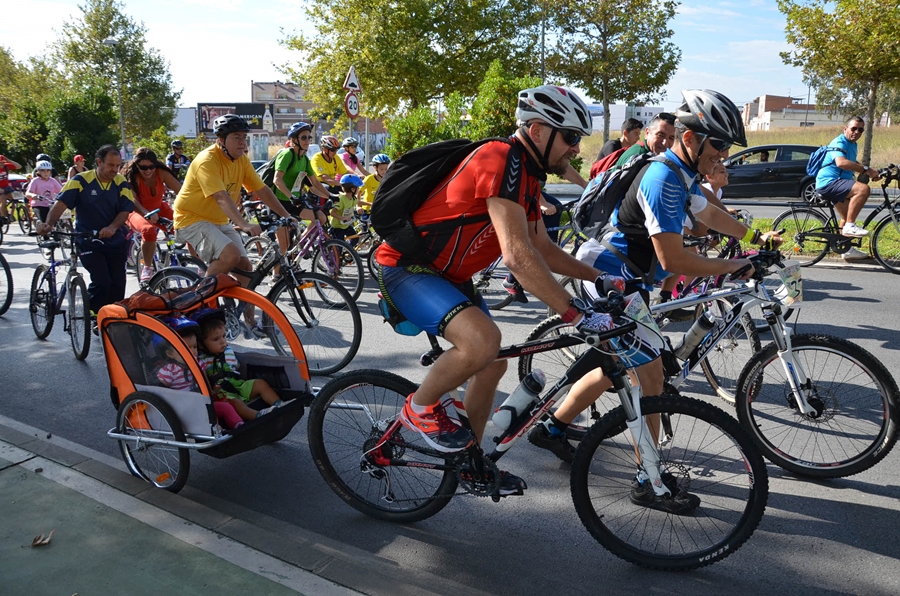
x: 116, y: 534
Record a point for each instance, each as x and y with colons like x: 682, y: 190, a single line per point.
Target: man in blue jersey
x: 177, y: 161
x: 648, y: 247
x: 835, y: 180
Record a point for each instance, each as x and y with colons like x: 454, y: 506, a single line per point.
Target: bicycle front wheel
x: 705, y: 452
x: 341, y: 263
x: 78, y: 317
x: 40, y: 301
x: 489, y: 283
x: 803, y: 234
x: 23, y: 218
x: 173, y: 278
x: 854, y: 425
x: 6, y: 286
x: 725, y: 361
x: 325, y: 318
x: 372, y: 264
x: 886, y: 245
x: 350, y: 414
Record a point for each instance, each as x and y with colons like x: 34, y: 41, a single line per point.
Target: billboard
x: 257, y: 115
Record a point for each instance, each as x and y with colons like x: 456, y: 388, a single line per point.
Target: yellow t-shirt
x: 209, y: 173
x: 335, y: 168
x: 370, y: 185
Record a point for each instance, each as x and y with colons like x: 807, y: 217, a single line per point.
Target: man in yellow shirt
x: 327, y: 166
x: 211, y: 196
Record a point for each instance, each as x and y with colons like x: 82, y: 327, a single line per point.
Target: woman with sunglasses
x: 149, y: 178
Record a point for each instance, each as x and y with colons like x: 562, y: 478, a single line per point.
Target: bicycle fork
x: 800, y: 383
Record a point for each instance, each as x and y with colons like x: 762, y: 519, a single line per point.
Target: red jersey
x: 4, y: 175
x: 495, y: 169
x: 149, y: 198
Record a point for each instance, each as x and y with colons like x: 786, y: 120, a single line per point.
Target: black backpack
x: 604, y: 193
x: 267, y: 170
x: 406, y: 186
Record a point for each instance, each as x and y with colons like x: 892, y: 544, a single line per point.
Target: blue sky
x: 728, y: 46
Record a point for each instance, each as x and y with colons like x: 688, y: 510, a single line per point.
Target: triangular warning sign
x: 351, y: 83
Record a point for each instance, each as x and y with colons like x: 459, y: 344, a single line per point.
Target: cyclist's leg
x: 857, y: 198
x: 215, y: 245
x: 3, y: 211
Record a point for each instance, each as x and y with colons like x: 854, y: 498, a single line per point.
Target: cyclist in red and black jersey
x: 493, y: 195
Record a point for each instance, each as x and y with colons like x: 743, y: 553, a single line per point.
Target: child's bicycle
x: 168, y: 255
x: 46, y: 299
x: 379, y: 467
x: 157, y: 427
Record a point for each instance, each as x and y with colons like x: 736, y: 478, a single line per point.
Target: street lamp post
x: 113, y: 43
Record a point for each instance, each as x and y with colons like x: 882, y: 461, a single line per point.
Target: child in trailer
x: 219, y: 363
x: 175, y: 374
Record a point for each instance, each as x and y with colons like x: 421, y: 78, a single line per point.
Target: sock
x: 664, y: 296
x: 417, y: 408
x: 555, y: 427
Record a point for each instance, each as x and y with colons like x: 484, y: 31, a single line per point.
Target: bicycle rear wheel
x: 78, y: 316
x: 23, y: 218
x: 173, y: 278
x: 372, y: 264
x: 40, y: 301
x: 803, y: 234
x: 724, y: 363
x: 707, y: 454
x: 325, y: 318
x: 6, y: 286
x: 145, y: 415
x: 855, y: 397
x: 886, y: 245
x: 338, y: 261
x: 346, y: 420
x: 489, y: 283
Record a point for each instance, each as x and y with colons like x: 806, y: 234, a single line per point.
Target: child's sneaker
x: 146, y: 273
x: 439, y: 429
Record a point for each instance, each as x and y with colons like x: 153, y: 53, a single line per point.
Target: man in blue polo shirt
x: 835, y: 180
x: 102, y: 199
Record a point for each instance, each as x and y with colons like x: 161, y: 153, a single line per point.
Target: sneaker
x: 680, y: 502
x: 439, y: 430
x: 95, y: 328
x: 517, y: 291
x: 146, y: 273
x: 854, y: 254
x: 511, y: 485
x: 559, y: 445
x: 680, y: 314
x: 851, y: 229
x: 265, y: 411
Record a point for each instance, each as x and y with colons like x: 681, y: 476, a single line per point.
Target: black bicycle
x: 384, y: 470
x: 320, y: 309
x: 6, y: 286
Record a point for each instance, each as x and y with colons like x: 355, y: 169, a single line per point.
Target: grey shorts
x: 836, y: 191
x: 209, y: 240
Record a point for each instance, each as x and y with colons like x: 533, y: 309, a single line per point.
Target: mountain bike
x: 170, y: 255
x: 813, y: 229
x: 46, y: 298
x: 6, y: 285
x: 382, y: 469
x: 17, y: 206
x: 320, y: 309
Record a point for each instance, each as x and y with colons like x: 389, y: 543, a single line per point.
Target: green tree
x: 493, y: 112
x: 409, y: 53
x: 161, y: 143
x: 423, y: 125
x: 616, y: 50
x: 79, y: 122
x: 148, y: 96
x: 850, y: 44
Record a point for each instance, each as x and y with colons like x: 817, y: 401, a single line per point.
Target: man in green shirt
x: 658, y: 136
x: 292, y: 167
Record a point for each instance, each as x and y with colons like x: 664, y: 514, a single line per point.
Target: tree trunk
x: 870, y: 123
x: 605, y: 114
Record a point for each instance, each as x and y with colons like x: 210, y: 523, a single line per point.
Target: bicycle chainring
x: 481, y: 478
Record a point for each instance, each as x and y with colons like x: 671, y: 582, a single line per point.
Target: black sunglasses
x: 304, y: 137
x: 718, y: 144
x: 569, y: 137
x: 146, y: 168
x: 858, y: 129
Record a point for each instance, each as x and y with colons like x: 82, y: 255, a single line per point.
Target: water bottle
x: 519, y: 400
x: 694, y: 335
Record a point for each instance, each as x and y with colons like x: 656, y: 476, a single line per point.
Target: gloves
x: 606, y: 283
x: 595, y: 321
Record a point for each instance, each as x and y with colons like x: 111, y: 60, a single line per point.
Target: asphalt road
x: 816, y: 538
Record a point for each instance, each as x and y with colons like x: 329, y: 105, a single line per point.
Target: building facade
x: 768, y: 112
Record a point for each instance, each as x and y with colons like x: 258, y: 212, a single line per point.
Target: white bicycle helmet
x: 43, y: 165
x: 557, y: 106
x: 712, y: 114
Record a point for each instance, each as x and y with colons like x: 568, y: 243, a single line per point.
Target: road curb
x: 348, y: 566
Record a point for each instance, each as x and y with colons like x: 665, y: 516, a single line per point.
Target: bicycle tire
x: 1, y: 235
x: 78, y: 317
x: 172, y: 278
x: 797, y: 223
x: 6, y: 286
x: 23, y: 218
x: 330, y: 329
x: 489, y: 283
x: 366, y: 244
x: 711, y: 456
x: 830, y: 445
x: 337, y: 439
x: 349, y: 271
x: 161, y: 465
x: 66, y: 241
x: 256, y: 247
x: 723, y: 366
x: 885, y: 236
x: 40, y: 302
x: 555, y: 364
x: 4, y: 227
x: 192, y: 263
x: 372, y: 264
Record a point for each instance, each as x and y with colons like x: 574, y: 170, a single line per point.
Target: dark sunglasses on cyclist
x: 857, y: 128
x: 569, y: 137
x: 146, y: 168
x: 304, y: 137
x: 718, y: 144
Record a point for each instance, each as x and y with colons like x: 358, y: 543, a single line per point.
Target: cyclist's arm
x: 112, y: 228
x: 520, y: 257
x: 52, y: 217
x: 280, y: 184
x: 712, y: 199
x: 230, y: 210
x: 317, y: 188
x: 170, y: 181
x: 854, y: 166
x: 268, y: 197
x: 669, y: 247
x: 558, y: 260
x: 574, y: 177
x: 12, y: 164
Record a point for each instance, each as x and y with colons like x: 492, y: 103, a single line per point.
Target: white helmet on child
x: 43, y: 165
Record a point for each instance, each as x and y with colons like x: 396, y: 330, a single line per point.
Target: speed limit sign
x: 351, y: 105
